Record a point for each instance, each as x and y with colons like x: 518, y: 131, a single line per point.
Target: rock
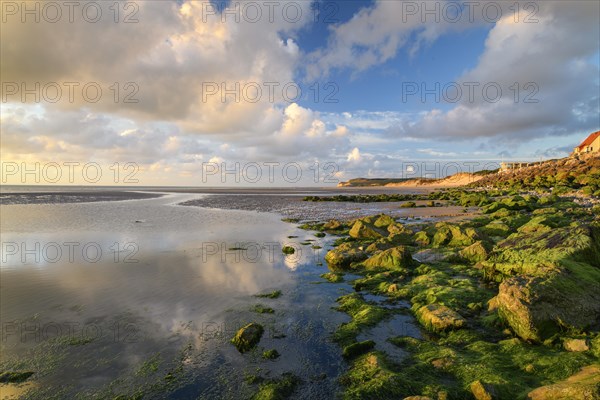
x: 14, y: 376
x: 383, y: 221
x: 438, y: 318
x: 393, y: 288
x: 476, y: 252
x: 288, y: 250
x: 453, y: 235
x: 270, y: 354
x: 536, y: 308
x: 576, y: 345
x: 364, y: 230
x: 359, y: 348
x: 482, y: 391
x: 344, y: 255
x: 442, y: 363
x: 421, y: 238
x: 584, y: 385
x: 397, y: 258
x: 246, y: 338
x: 381, y: 244
x: 332, y: 225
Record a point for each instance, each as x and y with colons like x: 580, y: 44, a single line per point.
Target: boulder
x: 584, y: 385
x: 476, y: 252
x: 344, y: 255
x: 365, y: 230
x: 453, y: 235
x: 483, y: 391
x: 383, y: 221
x: 247, y: 337
x: 332, y: 225
x: 421, y: 238
x: 356, y: 349
x: 397, y: 258
x: 536, y: 308
x: 576, y: 345
x: 439, y: 318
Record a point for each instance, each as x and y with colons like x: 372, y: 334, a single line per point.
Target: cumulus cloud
x: 551, y: 63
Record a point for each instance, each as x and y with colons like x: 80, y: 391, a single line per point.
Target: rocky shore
x: 508, y: 301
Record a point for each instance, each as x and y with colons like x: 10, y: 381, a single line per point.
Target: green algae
x: 333, y: 277
x: 356, y: 349
x: 259, y: 308
x: 288, y: 250
x: 277, y: 389
x: 270, y: 354
x: 270, y: 295
x: 362, y: 314
x: 247, y: 337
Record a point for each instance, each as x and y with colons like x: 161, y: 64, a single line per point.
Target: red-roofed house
x: 589, y: 145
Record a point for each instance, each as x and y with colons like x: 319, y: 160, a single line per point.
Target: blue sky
x: 366, y: 56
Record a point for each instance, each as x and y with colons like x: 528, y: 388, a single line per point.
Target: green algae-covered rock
x: 575, y: 345
x: 584, y: 385
x: 439, y: 318
x: 397, y: 258
x: 483, y: 391
x: 288, y: 250
x: 478, y: 251
x: 14, y: 376
x: 333, y: 225
x: 496, y: 228
x: 383, y: 221
x: 247, y: 337
x: 358, y: 348
x: 344, y: 255
x: 277, y: 389
x: 421, y: 238
x: 365, y: 230
x: 536, y: 308
x: 453, y: 235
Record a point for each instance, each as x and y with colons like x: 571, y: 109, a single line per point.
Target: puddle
x: 385, y: 302
x: 399, y: 325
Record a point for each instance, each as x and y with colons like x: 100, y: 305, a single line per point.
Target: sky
x: 290, y: 93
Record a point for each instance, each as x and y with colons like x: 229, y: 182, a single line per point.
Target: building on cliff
x: 589, y: 145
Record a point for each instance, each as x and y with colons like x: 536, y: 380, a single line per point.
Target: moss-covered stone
x: 270, y: 354
x: 383, y: 221
x: 333, y: 277
x: 483, y: 391
x: 14, y: 376
x: 583, y: 385
x: 397, y: 258
x: 364, y: 230
x: 574, y: 344
x: 439, y: 318
x: 356, y: 349
x: 451, y: 235
x: 536, y: 308
x: 422, y: 239
x: 277, y: 389
x: 247, y: 337
x: 343, y: 256
x: 476, y: 252
x: 288, y: 250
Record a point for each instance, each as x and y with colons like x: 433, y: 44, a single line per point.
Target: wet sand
x: 72, y: 197
x: 292, y: 206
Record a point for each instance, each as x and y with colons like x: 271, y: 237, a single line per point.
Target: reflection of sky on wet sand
x: 176, y: 290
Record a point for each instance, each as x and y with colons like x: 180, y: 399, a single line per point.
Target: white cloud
x: 354, y: 155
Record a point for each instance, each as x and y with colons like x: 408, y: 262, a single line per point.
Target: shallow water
x: 110, y: 298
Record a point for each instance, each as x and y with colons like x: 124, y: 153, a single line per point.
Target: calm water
x: 142, y: 296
